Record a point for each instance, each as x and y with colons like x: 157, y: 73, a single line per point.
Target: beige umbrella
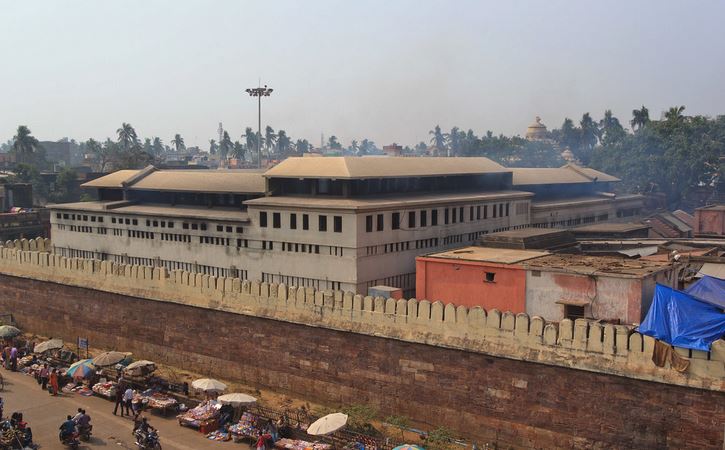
x: 237, y: 399
x: 48, y: 345
x: 328, y: 424
x: 109, y: 358
x: 139, y: 364
x: 208, y: 385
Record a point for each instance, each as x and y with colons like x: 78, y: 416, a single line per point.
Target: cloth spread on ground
x: 664, y: 353
x: 682, y: 320
x: 710, y: 290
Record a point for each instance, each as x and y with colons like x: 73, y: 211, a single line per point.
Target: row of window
x: 79, y: 217
x: 321, y: 221
x: 419, y: 219
x: 149, y: 222
x: 173, y: 237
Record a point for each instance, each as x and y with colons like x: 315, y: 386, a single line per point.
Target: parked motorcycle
x: 147, y: 441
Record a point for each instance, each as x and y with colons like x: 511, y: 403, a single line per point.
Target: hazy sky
x: 385, y: 70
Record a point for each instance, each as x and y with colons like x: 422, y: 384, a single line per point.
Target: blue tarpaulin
x: 710, y: 290
x: 682, y: 320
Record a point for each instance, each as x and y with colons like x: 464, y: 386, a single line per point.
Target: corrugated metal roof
x: 224, y: 181
x: 344, y: 167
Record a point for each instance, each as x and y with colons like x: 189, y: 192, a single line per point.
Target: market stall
x: 106, y: 389
x: 204, y: 417
x: 298, y: 444
x: 158, y: 401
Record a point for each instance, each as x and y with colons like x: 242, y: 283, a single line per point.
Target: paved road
x: 44, y: 413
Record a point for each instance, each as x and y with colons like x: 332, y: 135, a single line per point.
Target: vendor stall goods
x: 295, y: 444
x: 106, y: 389
x: 200, y: 417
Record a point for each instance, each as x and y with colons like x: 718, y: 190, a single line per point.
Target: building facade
x: 330, y: 223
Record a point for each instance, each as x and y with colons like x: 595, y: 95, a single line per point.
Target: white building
x: 332, y: 223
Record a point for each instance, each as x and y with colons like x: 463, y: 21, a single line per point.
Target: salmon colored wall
x: 710, y: 221
x: 463, y: 283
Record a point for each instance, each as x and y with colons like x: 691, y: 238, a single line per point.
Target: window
x: 305, y: 222
x: 57, y: 215
x: 113, y: 220
x: 322, y: 223
x: 229, y: 229
x: 381, y: 222
x: 490, y: 277
x: 93, y: 218
x: 396, y: 221
x: 368, y: 224
x: 262, y: 218
x: 494, y: 211
x: 203, y: 226
x: 293, y: 221
x: 185, y: 226
x: 507, y: 209
x: 500, y: 210
x: 434, y: 217
x: 424, y: 218
x: 573, y: 312
x: 148, y: 222
x: 194, y: 226
x: 411, y: 219
x: 219, y: 228
x: 317, y: 248
x: 470, y: 213
x: 240, y: 229
x: 134, y: 221
x: 171, y: 224
x: 65, y: 216
x: 445, y: 216
x: 337, y: 224
x: 85, y: 219
x: 454, y: 215
x: 478, y: 212
x: 460, y: 214
x: 163, y: 224
x: 485, y: 211
x: 276, y: 220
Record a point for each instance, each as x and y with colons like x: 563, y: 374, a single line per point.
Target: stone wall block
x: 338, y: 302
x: 462, y: 316
x: 148, y: 273
x: 33, y: 245
x: 328, y: 299
x: 493, y: 320
x: 636, y: 345
x: 717, y: 351
x: 522, y: 325
x: 609, y: 345
x: 358, y: 302
x: 319, y: 300
x: 347, y: 300
x: 264, y: 289
x: 550, y: 334
x: 581, y: 332
x: 595, y: 341
x: 436, y: 312
x: 424, y: 311
x: 476, y: 319
x: 300, y: 297
x: 246, y: 287
x: 566, y: 333
x: 228, y: 285
x: 368, y: 304
x: 508, y: 321
x: 255, y: 288
x: 401, y: 307
x: 310, y: 295
x: 379, y: 304
x: 536, y: 329
x: 449, y: 314
x: 282, y: 292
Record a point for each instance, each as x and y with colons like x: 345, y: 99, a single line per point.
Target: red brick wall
x: 513, y: 403
x: 463, y: 283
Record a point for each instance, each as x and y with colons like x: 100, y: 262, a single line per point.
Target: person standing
x: 54, y: 382
x: 128, y: 400
x: 43, y: 375
x: 14, y: 359
x: 120, y: 389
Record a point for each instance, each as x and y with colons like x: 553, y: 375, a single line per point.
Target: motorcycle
x: 70, y: 441
x: 148, y: 441
x: 84, y: 433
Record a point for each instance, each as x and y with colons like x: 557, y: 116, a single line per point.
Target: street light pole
x: 259, y: 92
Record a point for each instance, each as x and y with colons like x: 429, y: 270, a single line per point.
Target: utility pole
x: 259, y: 92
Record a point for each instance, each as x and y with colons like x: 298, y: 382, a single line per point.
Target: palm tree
x: 611, y: 130
x: 589, y: 131
x: 178, y: 142
x: 454, y: 140
x: 674, y: 114
x: 157, y: 146
x: 212, y: 147
x: 439, y: 139
x: 24, y: 144
x: 225, y: 146
x: 270, y: 139
x: 366, y: 147
x: 302, y: 146
x: 640, y: 117
x: 333, y: 143
x: 126, y: 135
x: 238, y: 150
x: 354, y: 146
x: 283, y: 142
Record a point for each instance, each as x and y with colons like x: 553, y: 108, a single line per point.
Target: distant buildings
x: 710, y: 221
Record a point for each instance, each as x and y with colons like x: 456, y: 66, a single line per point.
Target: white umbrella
x: 48, y: 345
x: 237, y: 399
x: 142, y: 363
x: 208, y: 384
x: 328, y: 424
x: 110, y: 358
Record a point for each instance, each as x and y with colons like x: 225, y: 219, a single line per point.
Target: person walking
x: 14, y: 359
x: 54, y: 382
x: 128, y: 400
x: 43, y: 375
x: 120, y: 389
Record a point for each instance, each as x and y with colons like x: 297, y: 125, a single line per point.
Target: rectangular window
x: 229, y: 229
x: 134, y: 221
x: 445, y: 216
x: 478, y: 212
x: 470, y: 214
x: 239, y: 230
x: 57, y: 215
x: 381, y: 222
x: 194, y: 226
x: 262, y: 219
x: 185, y: 226
x: 485, y: 211
x: 305, y: 222
x: 322, y: 223
x: 113, y: 220
x: 490, y: 277
x: 171, y: 224
x: 203, y: 227
x: 507, y: 209
x: 220, y: 228
x: 493, y: 209
x: 293, y: 221
x: 276, y: 220
x: 148, y: 222
x: 163, y: 224
x: 65, y: 216
x: 396, y: 221
x: 500, y: 210
x: 337, y: 224
x: 454, y: 215
x: 434, y: 217
x: 411, y: 219
x: 460, y: 214
x: 368, y: 224
x: 424, y: 218
x: 156, y: 223
x: 93, y: 218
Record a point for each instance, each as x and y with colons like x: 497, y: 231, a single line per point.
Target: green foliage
x: 401, y: 423
x: 360, y: 416
x: 439, y: 439
x: 66, y: 187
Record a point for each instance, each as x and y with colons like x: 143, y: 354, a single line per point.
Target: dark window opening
x: 424, y: 218
x: 490, y: 277
x: 381, y: 222
x: 276, y: 220
x: 368, y: 224
x: 337, y: 224
x: 396, y: 221
x: 293, y: 221
x: 322, y: 223
x: 434, y: 217
x: 411, y: 219
x: 573, y: 312
x: 262, y: 218
x: 305, y: 222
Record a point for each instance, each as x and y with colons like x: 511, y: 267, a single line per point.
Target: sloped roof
x: 568, y: 174
x: 225, y: 181
x: 344, y: 167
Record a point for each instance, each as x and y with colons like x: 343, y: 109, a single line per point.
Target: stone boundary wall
x: 581, y: 344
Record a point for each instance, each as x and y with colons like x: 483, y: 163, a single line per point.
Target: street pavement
x: 44, y: 414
